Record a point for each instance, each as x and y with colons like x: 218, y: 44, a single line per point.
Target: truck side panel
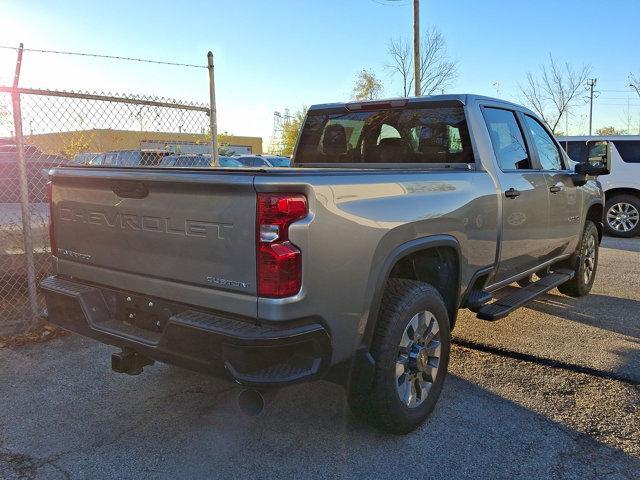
x: 358, y: 219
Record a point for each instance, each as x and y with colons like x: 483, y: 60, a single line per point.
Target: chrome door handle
x: 555, y: 189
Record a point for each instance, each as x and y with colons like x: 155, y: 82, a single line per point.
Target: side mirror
x: 599, y: 157
x: 593, y: 169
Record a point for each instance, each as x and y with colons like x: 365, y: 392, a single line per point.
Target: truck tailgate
x: 186, y: 229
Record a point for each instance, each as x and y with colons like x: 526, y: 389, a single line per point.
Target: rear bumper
x: 251, y: 354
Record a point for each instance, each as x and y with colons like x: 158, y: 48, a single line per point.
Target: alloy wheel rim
x: 418, y: 359
x: 589, y: 259
x: 623, y: 217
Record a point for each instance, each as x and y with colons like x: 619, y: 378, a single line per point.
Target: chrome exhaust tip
x: 252, y: 402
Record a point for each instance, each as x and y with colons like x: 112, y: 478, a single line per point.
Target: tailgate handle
x: 129, y: 189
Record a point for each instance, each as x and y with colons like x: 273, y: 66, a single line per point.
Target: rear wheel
x: 585, y: 263
x: 411, y: 349
x: 622, y: 217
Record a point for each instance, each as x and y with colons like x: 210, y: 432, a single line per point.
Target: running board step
x: 504, y: 306
x: 478, y: 299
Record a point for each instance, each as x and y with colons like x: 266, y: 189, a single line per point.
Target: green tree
x: 608, y: 131
x: 79, y: 142
x: 290, y: 129
x: 367, y: 86
x: 223, y: 142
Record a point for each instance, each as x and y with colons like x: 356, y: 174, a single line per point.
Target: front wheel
x: 411, y: 349
x: 585, y: 263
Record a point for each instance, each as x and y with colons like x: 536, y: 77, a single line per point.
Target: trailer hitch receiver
x: 129, y: 361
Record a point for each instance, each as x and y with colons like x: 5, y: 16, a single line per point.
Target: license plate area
x: 140, y: 311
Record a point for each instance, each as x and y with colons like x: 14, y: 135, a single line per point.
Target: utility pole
x: 416, y: 47
x: 591, y: 83
x: 213, y: 119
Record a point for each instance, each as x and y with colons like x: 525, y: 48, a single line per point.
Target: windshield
x: 407, y: 135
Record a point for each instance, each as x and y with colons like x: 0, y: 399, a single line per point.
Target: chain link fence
x: 42, y: 129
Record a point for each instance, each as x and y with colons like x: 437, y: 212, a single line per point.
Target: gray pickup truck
x: 351, y: 266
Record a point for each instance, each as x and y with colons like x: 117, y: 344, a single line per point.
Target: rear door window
x: 507, y: 139
x: 548, y: 152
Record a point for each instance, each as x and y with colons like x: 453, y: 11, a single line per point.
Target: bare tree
x: 553, y: 90
x: 367, y: 86
x: 437, y: 70
x: 634, y: 82
x: 401, y: 63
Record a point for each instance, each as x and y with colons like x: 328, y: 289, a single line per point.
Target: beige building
x: 104, y: 140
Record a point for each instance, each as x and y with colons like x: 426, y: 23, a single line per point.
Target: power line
x: 620, y: 104
x: 111, y: 57
x: 392, y: 3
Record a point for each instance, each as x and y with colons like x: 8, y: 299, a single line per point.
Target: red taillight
x: 278, y: 261
x: 52, y: 230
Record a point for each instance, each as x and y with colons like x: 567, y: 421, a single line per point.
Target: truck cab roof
x: 461, y: 98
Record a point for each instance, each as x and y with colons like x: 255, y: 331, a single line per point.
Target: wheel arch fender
x: 595, y: 211
x: 378, y: 278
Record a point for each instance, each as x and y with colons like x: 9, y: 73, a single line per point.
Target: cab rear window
x: 408, y: 135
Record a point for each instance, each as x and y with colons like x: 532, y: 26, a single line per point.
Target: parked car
x: 185, y: 161
x: 134, y: 158
x: 622, y: 186
x: 351, y: 266
x: 85, y: 158
x: 278, y: 160
x: 230, y: 162
x: 97, y: 160
x: 253, y: 161
x: 198, y: 161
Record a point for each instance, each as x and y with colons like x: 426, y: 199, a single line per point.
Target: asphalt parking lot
x: 550, y: 392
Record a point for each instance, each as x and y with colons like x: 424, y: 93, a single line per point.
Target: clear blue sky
x: 276, y: 54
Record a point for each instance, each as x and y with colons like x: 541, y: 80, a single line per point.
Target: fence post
x: 213, y: 120
x: 24, y: 193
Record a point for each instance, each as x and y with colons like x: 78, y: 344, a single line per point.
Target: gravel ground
x: 514, y: 406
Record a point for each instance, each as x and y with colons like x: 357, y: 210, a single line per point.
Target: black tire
x: 580, y: 285
x: 612, y: 207
x: 402, y: 302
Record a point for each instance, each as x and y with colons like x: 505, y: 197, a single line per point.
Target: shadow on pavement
x: 86, y: 421
x: 619, y: 315
x: 626, y: 244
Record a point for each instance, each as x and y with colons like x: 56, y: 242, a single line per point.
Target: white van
x: 622, y: 185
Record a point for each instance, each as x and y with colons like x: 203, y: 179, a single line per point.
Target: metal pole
x: 215, y: 160
x: 591, y: 83
x: 24, y: 194
x: 416, y: 47
x: 566, y: 129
